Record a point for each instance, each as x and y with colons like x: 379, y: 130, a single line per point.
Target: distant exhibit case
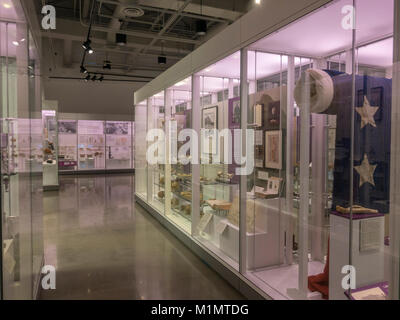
x: 309, y: 188
x: 90, y: 145
x: 50, y: 150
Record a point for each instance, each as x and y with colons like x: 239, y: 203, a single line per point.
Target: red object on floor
x: 320, y: 282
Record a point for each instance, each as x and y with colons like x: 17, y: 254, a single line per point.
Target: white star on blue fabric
x: 367, y: 113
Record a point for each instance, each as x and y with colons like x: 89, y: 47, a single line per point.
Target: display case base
x: 237, y: 280
x: 51, y: 188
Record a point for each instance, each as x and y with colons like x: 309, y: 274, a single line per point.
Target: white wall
x: 76, y: 96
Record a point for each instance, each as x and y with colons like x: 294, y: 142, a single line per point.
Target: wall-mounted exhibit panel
x: 296, y: 169
x: 90, y: 145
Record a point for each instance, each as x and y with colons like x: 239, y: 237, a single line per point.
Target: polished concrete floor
x: 105, y: 247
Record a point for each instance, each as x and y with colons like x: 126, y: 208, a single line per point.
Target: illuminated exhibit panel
x: 178, y: 174
x: 156, y: 169
x: 140, y: 150
x: 218, y: 98
x: 68, y: 148
x: 301, y: 189
x: 91, y: 145
x: 118, y: 145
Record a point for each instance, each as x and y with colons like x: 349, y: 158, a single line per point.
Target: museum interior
x: 200, y: 149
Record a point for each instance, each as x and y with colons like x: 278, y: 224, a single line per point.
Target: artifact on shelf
x: 186, y: 209
x: 356, y: 209
x: 224, y: 177
x: 219, y: 204
x: 161, y: 194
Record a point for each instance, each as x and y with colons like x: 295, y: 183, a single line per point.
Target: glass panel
x: 156, y: 171
x: 91, y: 145
x: 21, y: 155
x: 292, y: 77
x: 118, y: 144
x: 178, y: 202
x: 140, y: 150
x: 369, y: 232
x: 218, y: 224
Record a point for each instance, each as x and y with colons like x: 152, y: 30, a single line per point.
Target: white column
x: 349, y: 62
x: 196, y: 126
x: 304, y: 190
x: 150, y: 115
x: 243, y: 179
x: 319, y: 138
x: 168, y: 145
x: 288, y: 218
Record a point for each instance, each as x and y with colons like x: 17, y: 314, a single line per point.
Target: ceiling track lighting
x: 120, y: 39
x: 201, y: 25
x: 86, y: 44
x: 107, y: 65
x: 162, y: 59
x: 83, y: 69
x: 94, y: 77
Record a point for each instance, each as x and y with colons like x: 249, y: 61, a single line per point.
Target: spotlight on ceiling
x: 107, y: 64
x: 120, y: 39
x: 90, y: 51
x: 86, y: 44
x: 83, y: 69
x: 201, y: 27
x: 162, y: 60
x: 258, y: 1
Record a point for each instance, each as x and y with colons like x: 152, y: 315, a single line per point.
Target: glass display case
x: 91, y: 145
x: 118, y: 145
x: 296, y: 135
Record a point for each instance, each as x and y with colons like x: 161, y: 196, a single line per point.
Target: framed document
x: 273, y: 149
x: 210, y: 125
x: 258, y: 115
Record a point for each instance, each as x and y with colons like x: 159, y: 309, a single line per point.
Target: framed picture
x: 273, y: 149
x: 258, y: 115
x: 67, y: 127
x: 210, y: 124
x: 274, y: 115
x: 234, y: 113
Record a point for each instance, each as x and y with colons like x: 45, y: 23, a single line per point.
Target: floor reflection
x: 105, y: 247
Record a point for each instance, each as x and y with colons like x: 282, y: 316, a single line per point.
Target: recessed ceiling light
x: 7, y: 5
x: 15, y: 43
x: 258, y: 1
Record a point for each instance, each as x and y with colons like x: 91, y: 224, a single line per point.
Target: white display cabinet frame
x: 270, y: 18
